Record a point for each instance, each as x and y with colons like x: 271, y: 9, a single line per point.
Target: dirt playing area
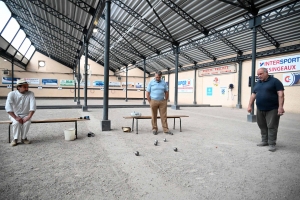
x: 217, y: 158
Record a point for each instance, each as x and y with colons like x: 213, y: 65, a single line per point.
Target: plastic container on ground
x: 70, y: 134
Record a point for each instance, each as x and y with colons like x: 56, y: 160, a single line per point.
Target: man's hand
x: 280, y: 111
x: 249, y: 109
x: 19, y: 119
x: 25, y: 119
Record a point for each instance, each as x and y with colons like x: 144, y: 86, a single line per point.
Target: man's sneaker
x: 169, y: 132
x: 272, y: 148
x: 261, y: 144
x: 154, y: 132
x: 13, y: 143
x: 25, y: 141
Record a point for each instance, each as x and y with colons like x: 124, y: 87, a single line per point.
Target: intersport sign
x: 285, y: 64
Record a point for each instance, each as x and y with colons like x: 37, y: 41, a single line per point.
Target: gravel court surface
x: 217, y: 158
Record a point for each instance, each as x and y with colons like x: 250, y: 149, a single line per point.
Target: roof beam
x: 144, y: 21
x: 187, y: 57
x: 227, y: 42
x: 264, y: 33
x: 231, y: 3
x: 9, y: 57
x: 57, y: 14
x: 153, y: 9
x: 205, y: 52
x: 186, y: 16
x: 50, y: 26
x: 84, y: 6
x: 249, y: 6
x: 135, y: 37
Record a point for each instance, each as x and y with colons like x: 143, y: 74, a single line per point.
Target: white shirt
x: 20, y: 104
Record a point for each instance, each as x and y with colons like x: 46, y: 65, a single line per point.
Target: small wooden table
x: 150, y: 117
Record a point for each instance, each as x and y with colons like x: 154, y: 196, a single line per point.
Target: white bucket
x: 70, y: 134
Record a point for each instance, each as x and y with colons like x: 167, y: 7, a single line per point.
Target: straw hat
x: 21, y: 82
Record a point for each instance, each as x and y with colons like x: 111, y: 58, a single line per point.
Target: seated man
x: 20, y: 105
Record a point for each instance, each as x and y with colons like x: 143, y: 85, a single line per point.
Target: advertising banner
x: 291, y: 79
x: 283, y: 64
x: 33, y: 81
x: 129, y: 84
x: 225, y: 69
x: 209, y: 91
x: 7, y: 80
x: 49, y: 81
x: 67, y: 82
x: 114, y: 84
x: 223, y: 91
x: 98, y: 83
x: 185, y: 86
x: 139, y: 85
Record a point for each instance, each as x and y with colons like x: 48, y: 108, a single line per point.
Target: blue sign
x: 7, y: 80
x: 98, y: 83
x: 49, y: 81
x: 209, y: 91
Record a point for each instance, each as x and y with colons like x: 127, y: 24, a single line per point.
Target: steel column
x: 144, y: 102
x: 126, y: 84
x: 78, y: 82
x: 12, y: 74
x: 85, y: 107
x: 74, y: 72
x: 175, y: 106
x: 105, y: 122
x: 169, y: 83
x: 239, y: 103
x: 195, y: 78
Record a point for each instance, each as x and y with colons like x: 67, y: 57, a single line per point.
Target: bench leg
x: 137, y: 127
x: 180, y: 123
x: 9, y: 133
x: 76, y: 129
x: 132, y: 128
x: 174, y: 124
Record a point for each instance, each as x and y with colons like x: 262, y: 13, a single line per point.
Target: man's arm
x: 28, y: 117
x: 280, y: 102
x: 17, y: 118
x: 166, y: 95
x: 251, y: 101
x: 148, y: 96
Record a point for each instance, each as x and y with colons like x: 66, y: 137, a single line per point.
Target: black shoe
x: 261, y: 144
x: 154, y: 132
x: 169, y: 132
x: 272, y: 148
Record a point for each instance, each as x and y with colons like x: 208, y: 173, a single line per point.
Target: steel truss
x: 261, y: 54
x: 185, y: 16
x: 144, y: 21
x: 84, y: 6
x: 57, y: 14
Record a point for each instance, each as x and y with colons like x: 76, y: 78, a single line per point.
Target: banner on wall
x: 83, y: 83
x: 225, y: 69
x: 185, y: 86
x: 139, y: 85
x: 98, y: 83
x: 114, y: 84
x: 33, y: 81
x: 291, y: 79
x: 283, y: 64
x: 223, y: 91
x: 7, y: 80
x: 67, y: 82
x: 49, y: 81
x: 129, y: 84
x: 209, y: 91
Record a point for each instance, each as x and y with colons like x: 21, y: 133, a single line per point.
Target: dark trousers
x: 268, y: 122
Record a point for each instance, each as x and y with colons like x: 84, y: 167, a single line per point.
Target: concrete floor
x: 217, y: 158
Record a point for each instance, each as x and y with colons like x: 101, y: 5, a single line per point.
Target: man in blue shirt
x: 157, y: 95
x: 269, y: 96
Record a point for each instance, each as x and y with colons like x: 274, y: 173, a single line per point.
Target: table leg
x: 180, y: 123
x: 8, y: 133
x: 76, y: 129
x: 174, y: 124
x: 137, y: 126
x: 132, y: 128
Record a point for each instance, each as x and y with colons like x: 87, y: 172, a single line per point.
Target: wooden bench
x: 47, y: 121
x: 150, y: 117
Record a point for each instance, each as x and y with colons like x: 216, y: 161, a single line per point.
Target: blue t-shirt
x: 266, y: 93
x: 157, y: 89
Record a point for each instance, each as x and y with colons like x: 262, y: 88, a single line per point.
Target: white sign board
x: 283, y: 64
x: 217, y: 70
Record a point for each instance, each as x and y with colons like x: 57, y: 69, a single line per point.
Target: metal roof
x: 205, y: 30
